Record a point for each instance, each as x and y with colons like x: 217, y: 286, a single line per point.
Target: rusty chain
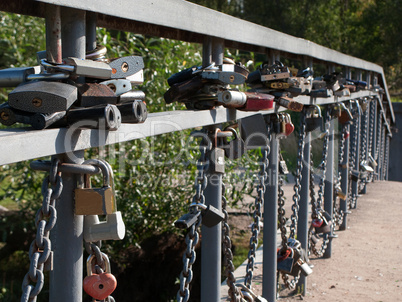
x: 45, y: 220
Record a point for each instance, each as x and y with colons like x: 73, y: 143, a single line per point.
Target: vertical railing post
x: 67, y: 244
x: 271, y: 223
x: 211, y: 243
x: 302, y: 223
x: 344, y: 167
x: 329, y: 184
x: 356, y: 140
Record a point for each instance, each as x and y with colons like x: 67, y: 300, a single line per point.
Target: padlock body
x: 217, y: 160
x: 324, y: 228
x: 43, y: 97
x: 211, y: 216
x: 94, y: 201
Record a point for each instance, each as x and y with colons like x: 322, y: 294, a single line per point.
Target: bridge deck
x: 365, y: 265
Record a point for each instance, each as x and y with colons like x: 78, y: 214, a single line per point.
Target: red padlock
x: 317, y: 222
x: 346, y: 135
x: 246, y: 101
x: 99, y: 286
x: 289, y: 127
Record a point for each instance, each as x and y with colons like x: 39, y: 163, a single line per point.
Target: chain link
x: 298, y: 178
x: 352, y: 197
x: 317, y: 204
x: 337, y: 212
x: 258, y: 204
x: 192, y: 236
x: 45, y: 220
x: 233, y: 292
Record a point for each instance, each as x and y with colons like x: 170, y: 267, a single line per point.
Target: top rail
x: 184, y: 21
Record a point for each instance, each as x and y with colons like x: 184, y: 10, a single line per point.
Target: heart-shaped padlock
x: 99, y: 286
x: 289, y: 127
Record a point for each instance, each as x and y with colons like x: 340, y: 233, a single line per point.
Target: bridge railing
x: 370, y: 130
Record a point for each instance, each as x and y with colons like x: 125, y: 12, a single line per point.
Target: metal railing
x: 166, y: 19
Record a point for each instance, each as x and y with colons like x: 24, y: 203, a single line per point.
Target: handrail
x: 166, y: 19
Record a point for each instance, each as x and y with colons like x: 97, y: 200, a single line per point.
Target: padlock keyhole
x: 100, y: 286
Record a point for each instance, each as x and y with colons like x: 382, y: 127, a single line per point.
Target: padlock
x: 289, y: 103
x: 254, y: 131
x: 326, y: 225
x: 9, y: 116
x: 235, y: 148
x: 315, y: 119
x: 217, y: 160
x: 344, y: 91
x: 187, y: 220
x: 43, y: 97
x: 364, y: 103
x: 246, y: 101
x: 289, y: 127
x: 372, y: 161
x: 179, y: 91
x: 274, y: 72
x: 88, y: 68
x: 321, y: 93
x: 282, y: 167
x: 118, y: 86
x: 276, y: 124
x: 338, y: 192
x: 41, y: 121
x: 249, y: 295
x: 345, y: 116
x: 125, y: 67
x: 93, y: 94
x: 96, y: 201
x: 366, y: 167
x: 12, y: 77
x: 99, y: 286
x: 305, y: 269
x: 135, y: 112
x: 211, y: 216
x: 106, y: 117
x: 133, y: 95
x: 283, y: 123
x: 285, y: 260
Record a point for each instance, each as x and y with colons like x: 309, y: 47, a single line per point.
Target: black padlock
x: 235, y: 148
x: 315, y: 120
x: 135, y: 112
x: 254, y: 131
x: 187, y: 220
x: 285, y: 260
x: 211, y: 216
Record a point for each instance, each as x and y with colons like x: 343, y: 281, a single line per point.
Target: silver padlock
x: 118, y: 86
x: 89, y: 68
x: 304, y: 267
x: 249, y: 295
x: 125, y: 67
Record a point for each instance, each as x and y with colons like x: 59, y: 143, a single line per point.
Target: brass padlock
x: 95, y: 201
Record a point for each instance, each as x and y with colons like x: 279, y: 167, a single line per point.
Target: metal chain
x: 281, y: 212
x: 298, y: 178
x: 258, y: 204
x: 371, y: 126
x: 337, y: 212
x: 317, y: 204
x: 352, y: 198
x: 379, y: 131
x: 192, y: 236
x: 45, y: 220
x: 383, y: 154
x: 234, y: 291
x: 385, y: 169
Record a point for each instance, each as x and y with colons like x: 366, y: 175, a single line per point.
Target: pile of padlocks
x: 54, y: 95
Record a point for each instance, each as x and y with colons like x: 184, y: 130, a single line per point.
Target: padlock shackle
x: 106, y: 263
x: 314, y: 108
x: 107, y: 172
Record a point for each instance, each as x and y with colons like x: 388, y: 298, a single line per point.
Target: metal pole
x: 302, y: 223
x: 90, y: 29
x: 329, y: 187
x: 67, y: 238
x: 211, y: 244
x: 344, y: 166
x: 355, y: 187
x: 53, y: 33
x: 270, y: 223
